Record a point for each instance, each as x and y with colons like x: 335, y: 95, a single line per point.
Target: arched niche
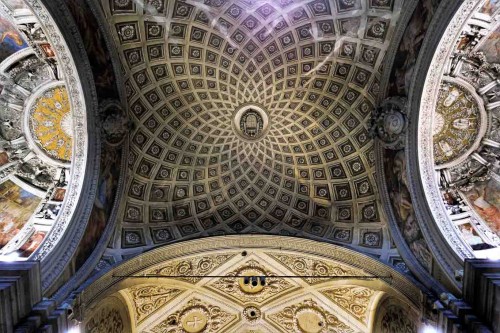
x: 245, y: 283
x: 110, y: 316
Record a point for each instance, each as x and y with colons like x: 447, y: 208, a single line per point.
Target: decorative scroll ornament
x: 308, y: 317
x: 107, y: 320
x: 149, y: 299
x: 397, y: 320
x: 252, y: 290
x: 353, y: 299
x: 389, y: 122
x: 190, y: 270
x: 314, y: 271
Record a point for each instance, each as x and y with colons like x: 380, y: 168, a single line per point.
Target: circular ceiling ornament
x: 50, y: 122
x: 310, y: 320
x: 252, y: 314
x: 251, y: 122
x: 194, y: 320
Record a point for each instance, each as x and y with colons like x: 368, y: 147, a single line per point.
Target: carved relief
x: 255, y: 288
x: 353, y: 299
x: 191, y: 270
x: 106, y: 321
x: 389, y: 122
x: 149, y: 299
x: 308, y: 317
x: 196, y: 316
x: 397, y: 320
x: 115, y: 123
x: 313, y: 271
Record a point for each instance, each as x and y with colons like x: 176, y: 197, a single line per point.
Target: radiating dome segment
x: 252, y: 116
x: 51, y: 123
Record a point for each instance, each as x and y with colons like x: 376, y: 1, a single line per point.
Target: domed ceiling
x: 42, y: 134
x: 252, y: 117
x: 460, y: 107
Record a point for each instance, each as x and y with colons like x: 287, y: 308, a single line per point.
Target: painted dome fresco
x: 42, y: 134
x: 459, y: 135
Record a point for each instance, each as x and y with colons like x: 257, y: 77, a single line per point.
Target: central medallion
x: 251, y: 122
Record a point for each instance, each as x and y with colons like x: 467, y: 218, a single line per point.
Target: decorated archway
x: 251, y: 283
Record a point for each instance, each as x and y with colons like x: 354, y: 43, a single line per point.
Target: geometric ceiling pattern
x: 312, y: 67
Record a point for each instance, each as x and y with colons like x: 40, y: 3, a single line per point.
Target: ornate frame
x: 94, y: 288
x: 58, y: 249
x: 449, y: 251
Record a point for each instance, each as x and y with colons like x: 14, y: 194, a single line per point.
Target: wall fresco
x: 397, y: 185
x: 111, y: 154
x: 409, y: 48
x: 11, y: 40
x: 485, y: 200
x: 491, y: 47
x: 16, y: 208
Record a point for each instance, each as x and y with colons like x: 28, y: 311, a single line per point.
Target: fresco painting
x: 106, y: 193
x: 31, y: 244
x: 105, y: 82
x: 491, y: 47
x: 408, y: 51
x: 485, y: 200
x: 11, y: 40
x: 16, y: 207
x: 490, y: 6
x: 397, y: 185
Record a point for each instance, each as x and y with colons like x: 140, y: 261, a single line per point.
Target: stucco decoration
x: 51, y: 124
x: 459, y: 110
x: 396, y: 319
x: 255, y: 288
x: 110, y: 316
x: 389, y: 122
x: 42, y: 127
x: 456, y: 124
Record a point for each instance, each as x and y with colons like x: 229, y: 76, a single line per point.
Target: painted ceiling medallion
x: 50, y: 123
x: 456, y: 125
x: 251, y: 122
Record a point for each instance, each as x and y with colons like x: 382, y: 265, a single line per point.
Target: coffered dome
x: 301, y: 164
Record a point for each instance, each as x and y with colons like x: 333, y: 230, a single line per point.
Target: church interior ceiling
x: 37, y: 137
x: 259, y: 290
x: 251, y: 117
x: 465, y: 136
